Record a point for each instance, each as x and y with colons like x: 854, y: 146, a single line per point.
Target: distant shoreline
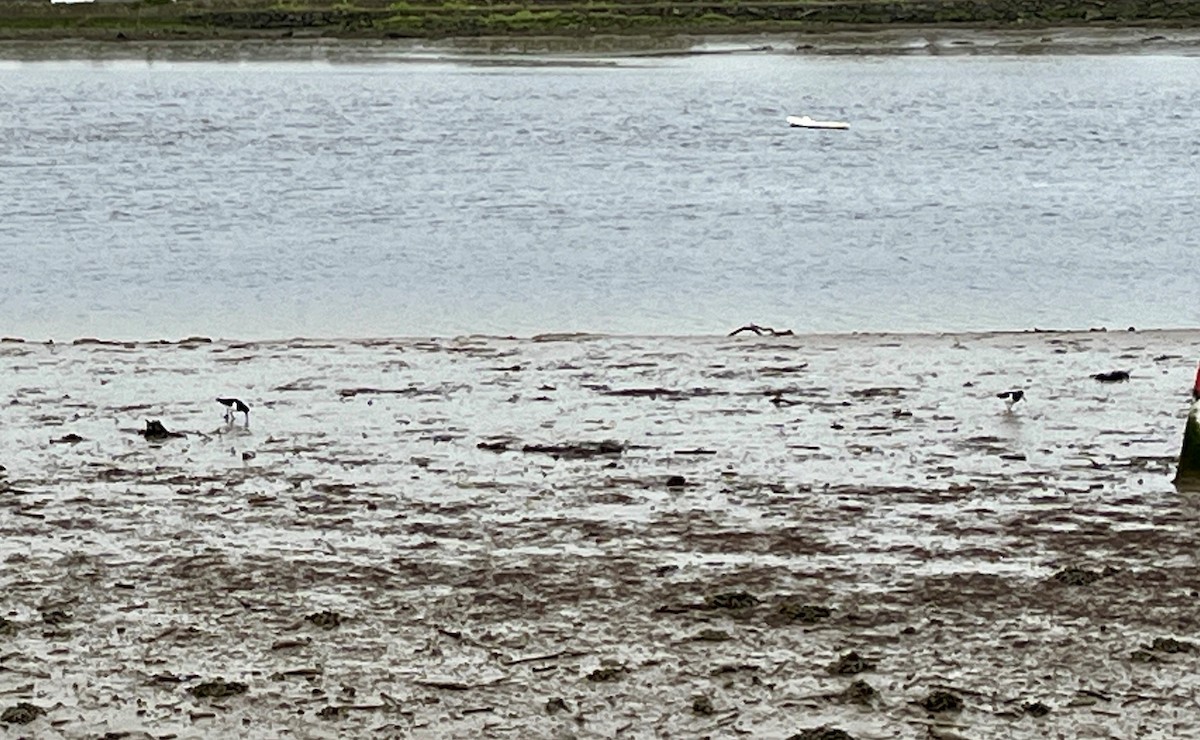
x: 234, y: 20
x: 719, y: 336
x: 608, y: 49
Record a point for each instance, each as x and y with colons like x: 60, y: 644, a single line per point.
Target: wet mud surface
x: 779, y: 537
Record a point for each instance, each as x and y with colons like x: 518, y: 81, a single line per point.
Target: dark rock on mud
x: 606, y: 674
x: 731, y: 600
x: 712, y: 635
x: 156, y: 431
x: 578, y: 450
x: 333, y: 712
x: 942, y: 701
x: 67, y: 439
x: 55, y: 617
x: 7, y: 627
x: 21, y: 714
x: 849, y: 664
x: 1035, y: 709
x: 791, y: 611
x: 860, y: 692
x: 702, y: 706
x: 218, y: 688
x: 1114, y: 376
x: 670, y: 394
x: 556, y: 705
x: 822, y: 733
x: 725, y: 670
x: 1171, y: 645
x: 1079, y: 576
x: 676, y: 481
x: 326, y: 620
x: 495, y: 445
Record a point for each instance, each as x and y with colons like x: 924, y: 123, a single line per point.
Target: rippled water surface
x: 634, y: 195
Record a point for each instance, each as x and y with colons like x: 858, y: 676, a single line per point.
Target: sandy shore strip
x: 771, y: 537
x: 618, y: 49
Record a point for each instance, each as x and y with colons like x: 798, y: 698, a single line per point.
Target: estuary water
x: 435, y: 194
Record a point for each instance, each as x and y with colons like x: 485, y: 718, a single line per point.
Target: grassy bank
x: 199, y: 19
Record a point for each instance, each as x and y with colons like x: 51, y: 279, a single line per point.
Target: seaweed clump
x: 326, y: 620
x: 731, y: 600
x: 21, y: 714
x: 218, y: 688
x: 712, y: 635
x: 1074, y: 576
x: 791, y: 611
x: 606, y: 674
x: 1171, y: 645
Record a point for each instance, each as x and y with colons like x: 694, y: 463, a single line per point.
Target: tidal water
x: 428, y: 195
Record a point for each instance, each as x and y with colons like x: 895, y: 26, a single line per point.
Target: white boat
x: 806, y: 122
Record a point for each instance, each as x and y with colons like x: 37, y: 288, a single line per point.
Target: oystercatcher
x: 233, y: 405
x: 1011, y: 397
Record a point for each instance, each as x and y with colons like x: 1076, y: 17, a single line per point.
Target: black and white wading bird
x: 232, y: 406
x: 1011, y: 397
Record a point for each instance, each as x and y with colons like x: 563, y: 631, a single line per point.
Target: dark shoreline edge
x: 583, y: 336
x: 395, y: 20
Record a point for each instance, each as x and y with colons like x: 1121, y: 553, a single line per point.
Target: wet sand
x: 599, y: 536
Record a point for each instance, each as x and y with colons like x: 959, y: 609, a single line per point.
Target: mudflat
x: 585, y: 536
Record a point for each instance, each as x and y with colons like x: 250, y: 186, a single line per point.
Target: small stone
x: 676, y: 481
x: 851, y: 663
x: 860, y: 692
x: 556, y: 705
x: 941, y: 701
x: 702, y: 706
x: 333, y: 712
x: 1035, y: 709
x: 155, y: 430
